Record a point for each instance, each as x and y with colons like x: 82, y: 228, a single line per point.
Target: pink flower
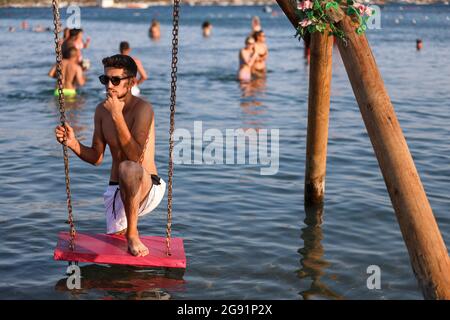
x: 305, y: 23
x: 368, y: 11
x: 363, y: 10
x: 304, y: 5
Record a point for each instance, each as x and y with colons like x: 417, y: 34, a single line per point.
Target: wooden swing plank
x: 113, y: 249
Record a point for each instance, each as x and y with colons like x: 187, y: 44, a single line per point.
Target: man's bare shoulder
x: 137, y: 60
x: 100, y: 110
x: 142, y: 106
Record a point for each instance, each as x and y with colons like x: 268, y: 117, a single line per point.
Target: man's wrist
x: 74, y: 145
x: 117, y: 116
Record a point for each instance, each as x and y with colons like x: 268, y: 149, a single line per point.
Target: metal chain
x: 173, y: 98
x: 58, y: 51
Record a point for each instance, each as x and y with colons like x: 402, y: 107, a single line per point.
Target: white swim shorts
x: 116, y: 219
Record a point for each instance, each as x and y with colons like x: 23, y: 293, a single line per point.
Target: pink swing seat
x: 113, y: 249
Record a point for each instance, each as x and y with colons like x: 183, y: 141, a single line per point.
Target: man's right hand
x: 60, y: 131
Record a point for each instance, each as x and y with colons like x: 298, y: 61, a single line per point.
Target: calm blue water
x: 246, y: 236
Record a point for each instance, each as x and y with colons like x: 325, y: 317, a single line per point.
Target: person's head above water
x: 120, y: 75
x: 419, y: 44
x: 70, y: 53
x: 259, y: 36
x: 76, y: 33
x: 206, y: 27
x: 249, y: 42
x: 256, y: 23
x: 124, y: 48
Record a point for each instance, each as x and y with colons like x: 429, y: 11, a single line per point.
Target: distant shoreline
x: 144, y: 4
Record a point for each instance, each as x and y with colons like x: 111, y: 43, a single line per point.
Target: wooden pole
x: 318, y: 116
x: 427, y: 250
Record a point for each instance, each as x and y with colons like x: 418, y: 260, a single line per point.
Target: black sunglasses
x: 104, y: 79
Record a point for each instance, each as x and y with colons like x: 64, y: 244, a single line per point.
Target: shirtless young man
x: 125, y: 123
x: 259, y: 67
x: 125, y: 49
x: 71, y: 72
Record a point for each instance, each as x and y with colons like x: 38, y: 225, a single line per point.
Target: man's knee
x: 129, y: 172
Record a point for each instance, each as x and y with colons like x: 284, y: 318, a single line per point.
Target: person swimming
x: 419, y: 44
x: 155, y: 30
x: 125, y: 49
x: 72, y: 74
x: 247, y: 58
x: 206, y: 28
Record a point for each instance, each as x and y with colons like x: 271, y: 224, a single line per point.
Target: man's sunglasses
x: 104, y: 79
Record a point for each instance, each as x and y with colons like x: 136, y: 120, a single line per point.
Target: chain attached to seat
x: 62, y: 112
x: 173, y: 98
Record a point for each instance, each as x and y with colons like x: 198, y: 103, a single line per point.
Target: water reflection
x: 73, y: 110
x: 126, y: 282
x: 252, y: 94
x: 313, y: 264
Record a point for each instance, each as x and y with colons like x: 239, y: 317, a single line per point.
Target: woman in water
x: 247, y: 58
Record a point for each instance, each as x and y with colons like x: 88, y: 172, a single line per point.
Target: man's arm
x: 93, y: 154
x: 133, y: 143
x: 80, y: 76
x: 142, y: 74
x: 52, y: 72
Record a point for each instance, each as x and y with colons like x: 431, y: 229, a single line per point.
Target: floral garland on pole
x: 322, y: 15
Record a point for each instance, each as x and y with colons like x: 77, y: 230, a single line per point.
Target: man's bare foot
x: 136, y: 247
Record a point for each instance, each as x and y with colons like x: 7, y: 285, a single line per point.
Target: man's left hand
x: 113, y: 104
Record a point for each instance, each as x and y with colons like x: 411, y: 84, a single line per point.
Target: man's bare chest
x: 110, y: 131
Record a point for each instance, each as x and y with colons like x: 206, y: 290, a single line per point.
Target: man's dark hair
x: 120, y: 61
x: 256, y: 34
x: 75, y: 32
x: 206, y: 24
x: 124, y: 46
x: 68, y: 53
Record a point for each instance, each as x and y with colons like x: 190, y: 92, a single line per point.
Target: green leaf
x: 331, y: 4
x: 352, y: 10
x: 316, y: 5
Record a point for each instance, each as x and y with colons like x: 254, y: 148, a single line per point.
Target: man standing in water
x: 125, y: 49
x: 72, y: 74
x: 126, y: 124
x: 259, y: 67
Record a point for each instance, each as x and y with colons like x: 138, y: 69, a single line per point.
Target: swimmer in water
x: 206, y: 28
x: 125, y: 49
x: 72, y: 74
x: 247, y: 58
x: 259, y: 68
x: 155, y: 30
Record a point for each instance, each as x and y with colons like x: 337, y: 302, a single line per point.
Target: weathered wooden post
x: 318, y: 116
x: 318, y: 109
x: 427, y: 250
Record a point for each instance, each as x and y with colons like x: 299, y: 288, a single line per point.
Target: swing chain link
x: 58, y: 51
x: 173, y: 97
